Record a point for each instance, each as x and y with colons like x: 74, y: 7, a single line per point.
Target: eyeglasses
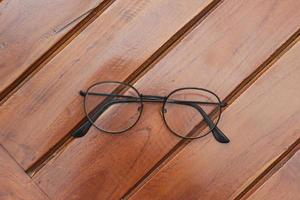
x: 115, y: 107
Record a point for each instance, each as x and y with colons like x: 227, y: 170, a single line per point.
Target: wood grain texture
x: 48, y: 106
x: 262, y: 124
x: 284, y: 184
x: 217, y: 55
x: 29, y: 28
x: 14, y: 182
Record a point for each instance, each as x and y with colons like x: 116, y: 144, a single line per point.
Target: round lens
x: 113, y: 107
x: 188, y: 110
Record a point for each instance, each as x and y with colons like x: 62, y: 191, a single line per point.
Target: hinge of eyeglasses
x: 82, y: 93
x: 223, y: 104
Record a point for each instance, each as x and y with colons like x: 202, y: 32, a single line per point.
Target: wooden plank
x: 262, y: 124
x: 29, y: 28
x: 14, y: 182
x: 48, y: 106
x: 218, y: 55
x: 284, y: 184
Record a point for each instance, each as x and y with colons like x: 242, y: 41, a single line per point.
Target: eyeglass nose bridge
x: 158, y: 99
x: 153, y: 98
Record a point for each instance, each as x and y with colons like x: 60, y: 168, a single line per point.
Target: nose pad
x: 163, y: 110
x: 139, y: 108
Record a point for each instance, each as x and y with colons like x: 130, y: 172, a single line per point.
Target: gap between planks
x: 242, y: 87
x: 272, y: 169
x: 16, y: 163
x: 88, y: 17
x: 148, y: 64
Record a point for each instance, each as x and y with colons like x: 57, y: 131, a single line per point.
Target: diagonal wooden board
x: 218, y: 54
x: 29, y: 28
x: 14, y: 182
x: 284, y: 184
x: 262, y: 123
x: 115, y: 45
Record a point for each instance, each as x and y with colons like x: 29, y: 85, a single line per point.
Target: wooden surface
x: 245, y: 51
x: 30, y: 27
x: 120, y: 161
x: 284, y: 184
x: 14, y: 182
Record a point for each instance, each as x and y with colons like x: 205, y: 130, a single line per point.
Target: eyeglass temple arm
x: 84, y: 128
x: 217, y: 133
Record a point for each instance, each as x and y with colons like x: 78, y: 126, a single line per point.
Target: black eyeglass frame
x: 217, y: 133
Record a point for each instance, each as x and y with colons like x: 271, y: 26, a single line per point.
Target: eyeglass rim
x: 121, y: 83
x: 192, y: 88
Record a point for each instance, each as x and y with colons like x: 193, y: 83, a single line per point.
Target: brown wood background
x: 245, y: 51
